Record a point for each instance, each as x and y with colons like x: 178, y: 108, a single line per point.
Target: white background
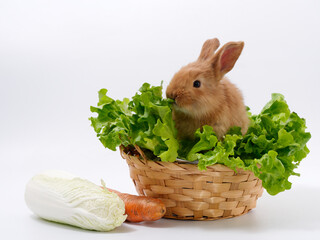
x: 56, y: 55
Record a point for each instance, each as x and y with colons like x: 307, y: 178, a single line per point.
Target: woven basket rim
x: 192, y: 166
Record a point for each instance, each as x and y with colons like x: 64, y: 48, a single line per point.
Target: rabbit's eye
x: 196, y: 84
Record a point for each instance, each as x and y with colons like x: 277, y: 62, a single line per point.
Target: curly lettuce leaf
x: 272, y: 148
x: 207, y: 140
x: 146, y: 121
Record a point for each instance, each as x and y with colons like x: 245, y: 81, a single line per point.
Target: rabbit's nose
x: 171, y: 95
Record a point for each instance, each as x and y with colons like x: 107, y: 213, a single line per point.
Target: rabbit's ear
x: 208, y: 49
x: 224, y: 60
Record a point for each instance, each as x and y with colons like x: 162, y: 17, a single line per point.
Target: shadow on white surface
x: 124, y: 228
x: 291, y: 210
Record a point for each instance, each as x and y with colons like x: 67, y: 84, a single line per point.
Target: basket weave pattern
x: 189, y: 193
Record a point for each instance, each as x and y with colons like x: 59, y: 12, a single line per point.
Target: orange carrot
x: 141, y: 208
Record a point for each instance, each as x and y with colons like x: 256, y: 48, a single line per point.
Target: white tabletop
x: 56, y: 55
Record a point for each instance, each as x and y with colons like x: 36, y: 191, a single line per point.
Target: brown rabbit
x: 203, y: 96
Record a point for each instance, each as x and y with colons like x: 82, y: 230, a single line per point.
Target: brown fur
x: 217, y: 102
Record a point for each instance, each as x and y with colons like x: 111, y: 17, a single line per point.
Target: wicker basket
x: 189, y: 193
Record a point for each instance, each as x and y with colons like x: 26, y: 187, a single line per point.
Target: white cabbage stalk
x: 62, y: 197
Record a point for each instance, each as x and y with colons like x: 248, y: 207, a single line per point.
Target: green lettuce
x: 145, y: 120
x: 272, y: 148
